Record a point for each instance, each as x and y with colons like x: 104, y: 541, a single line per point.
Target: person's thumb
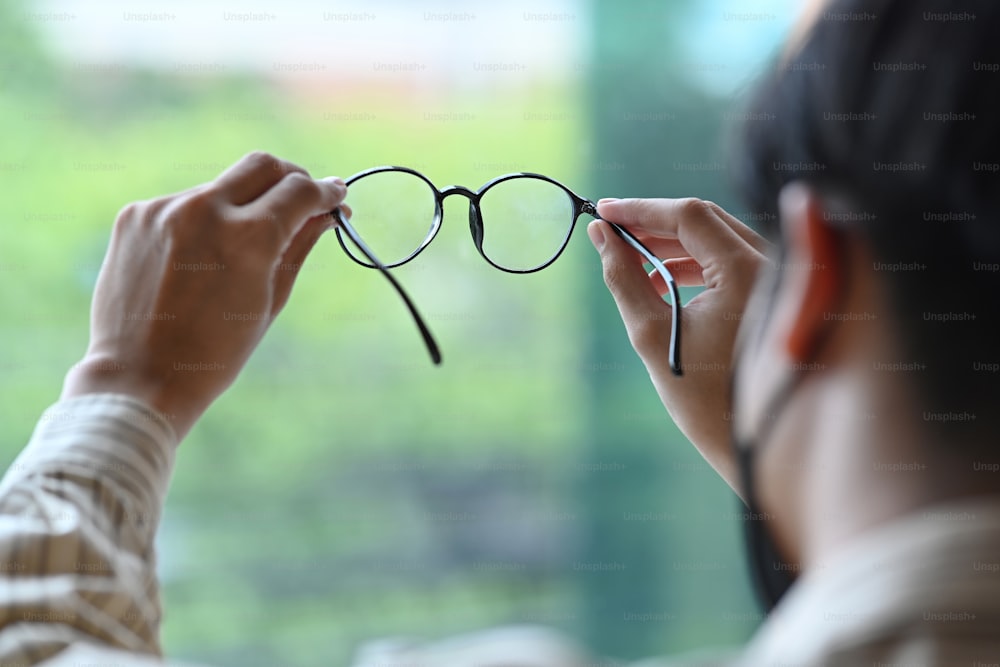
x: 645, y: 314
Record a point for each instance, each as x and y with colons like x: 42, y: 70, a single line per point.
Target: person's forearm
x: 79, y: 510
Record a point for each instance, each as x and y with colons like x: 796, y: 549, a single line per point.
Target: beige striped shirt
x: 80, y: 506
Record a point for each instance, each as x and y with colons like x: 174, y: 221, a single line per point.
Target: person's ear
x: 813, y: 276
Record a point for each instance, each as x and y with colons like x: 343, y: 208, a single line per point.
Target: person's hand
x: 701, y: 245
x: 192, y: 281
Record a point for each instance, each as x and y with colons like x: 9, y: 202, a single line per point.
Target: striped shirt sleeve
x: 79, y: 509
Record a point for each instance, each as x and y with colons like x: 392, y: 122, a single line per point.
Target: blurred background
x: 345, y: 489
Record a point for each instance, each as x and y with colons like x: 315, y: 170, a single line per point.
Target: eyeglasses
x: 400, y: 211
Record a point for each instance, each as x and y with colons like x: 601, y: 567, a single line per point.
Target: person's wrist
x: 98, y: 374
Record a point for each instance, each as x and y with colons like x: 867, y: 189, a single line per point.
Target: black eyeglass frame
x: 580, y: 206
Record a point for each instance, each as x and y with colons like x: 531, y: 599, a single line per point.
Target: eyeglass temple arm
x: 675, y: 297
x: 348, y: 228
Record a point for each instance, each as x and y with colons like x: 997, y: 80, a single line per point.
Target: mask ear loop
x: 772, y: 575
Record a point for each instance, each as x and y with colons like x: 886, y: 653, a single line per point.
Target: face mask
x: 771, y: 575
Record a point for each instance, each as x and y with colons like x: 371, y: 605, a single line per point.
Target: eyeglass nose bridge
x: 458, y: 190
x: 475, y: 218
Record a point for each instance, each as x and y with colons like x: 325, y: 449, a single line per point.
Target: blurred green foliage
x: 345, y: 488
x: 667, y: 515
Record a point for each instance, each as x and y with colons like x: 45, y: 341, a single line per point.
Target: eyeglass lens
x: 526, y: 220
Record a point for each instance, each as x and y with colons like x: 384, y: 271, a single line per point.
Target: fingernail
x: 336, y: 180
x: 608, y: 205
x: 596, y: 235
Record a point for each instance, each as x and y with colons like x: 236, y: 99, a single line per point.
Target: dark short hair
x: 894, y: 107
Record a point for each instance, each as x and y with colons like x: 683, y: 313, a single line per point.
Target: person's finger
x: 346, y: 210
x: 738, y: 226
x: 645, y: 314
x: 686, y: 273
x: 669, y: 248
x: 661, y: 247
x: 759, y: 243
x: 252, y: 176
x: 293, y: 200
x: 693, y: 222
x: 293, y: 258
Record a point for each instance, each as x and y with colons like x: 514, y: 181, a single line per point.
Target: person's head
x: 869, y: 364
